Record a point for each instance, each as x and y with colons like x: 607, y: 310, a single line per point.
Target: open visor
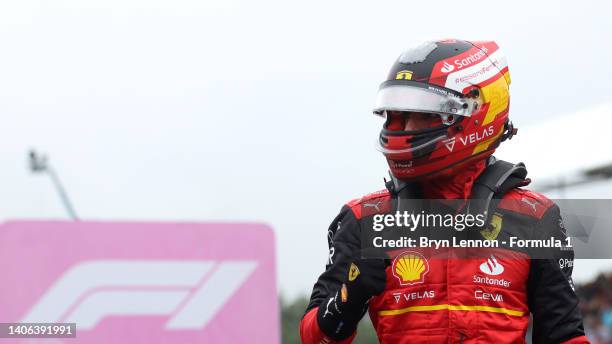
x: 422, y: 98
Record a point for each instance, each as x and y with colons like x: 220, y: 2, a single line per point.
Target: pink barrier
x: 141, y: 282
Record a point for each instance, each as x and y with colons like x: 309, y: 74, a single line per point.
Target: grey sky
x: 243, y: 110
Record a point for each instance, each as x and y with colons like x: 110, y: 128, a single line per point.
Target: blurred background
x: 237, y: 110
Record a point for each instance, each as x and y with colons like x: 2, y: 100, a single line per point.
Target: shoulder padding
x: 526, y: 202
x: 370, y: 204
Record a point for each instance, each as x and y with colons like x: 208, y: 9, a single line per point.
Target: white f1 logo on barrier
x: 191, y: 292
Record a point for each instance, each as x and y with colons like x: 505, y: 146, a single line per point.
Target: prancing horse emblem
x: 494, y: 228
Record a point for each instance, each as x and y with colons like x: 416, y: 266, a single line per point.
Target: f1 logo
x: 190, y: 292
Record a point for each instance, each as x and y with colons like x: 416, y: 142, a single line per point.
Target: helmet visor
x: 422, y: 98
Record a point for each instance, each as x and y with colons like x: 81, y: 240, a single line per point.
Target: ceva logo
x: 492, y: 267
x: 189, y: 292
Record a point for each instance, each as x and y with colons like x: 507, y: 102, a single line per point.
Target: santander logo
x: 466, y: 61
x: 492, y: 267
x: 447, y: 68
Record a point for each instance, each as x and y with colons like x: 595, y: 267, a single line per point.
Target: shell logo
x: 410, y: 268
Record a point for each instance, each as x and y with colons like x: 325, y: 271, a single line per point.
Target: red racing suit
x: 459, y: 300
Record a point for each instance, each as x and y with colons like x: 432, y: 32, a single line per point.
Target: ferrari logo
x: 495, y: 226
x: 403, y: 75
x: 353, y: 272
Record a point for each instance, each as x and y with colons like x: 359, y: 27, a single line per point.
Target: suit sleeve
x: 344, y: 245
x: 551, y: 296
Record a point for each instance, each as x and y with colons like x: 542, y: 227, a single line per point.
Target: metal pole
x: 40, y: 164
x: 63, y: 195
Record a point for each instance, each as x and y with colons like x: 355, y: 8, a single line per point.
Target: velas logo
x: 470, y: 139
x: 492, y: 267
x: 477, y: 136
x: 414, y: 296
x: 410, y: 268
x: 449, y: 144
x: 447, y: 68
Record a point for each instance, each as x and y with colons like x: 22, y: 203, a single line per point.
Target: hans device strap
x: 489, y: 188
x: 497, y: 179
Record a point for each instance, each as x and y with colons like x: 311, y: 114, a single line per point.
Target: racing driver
x: 445, y: 107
